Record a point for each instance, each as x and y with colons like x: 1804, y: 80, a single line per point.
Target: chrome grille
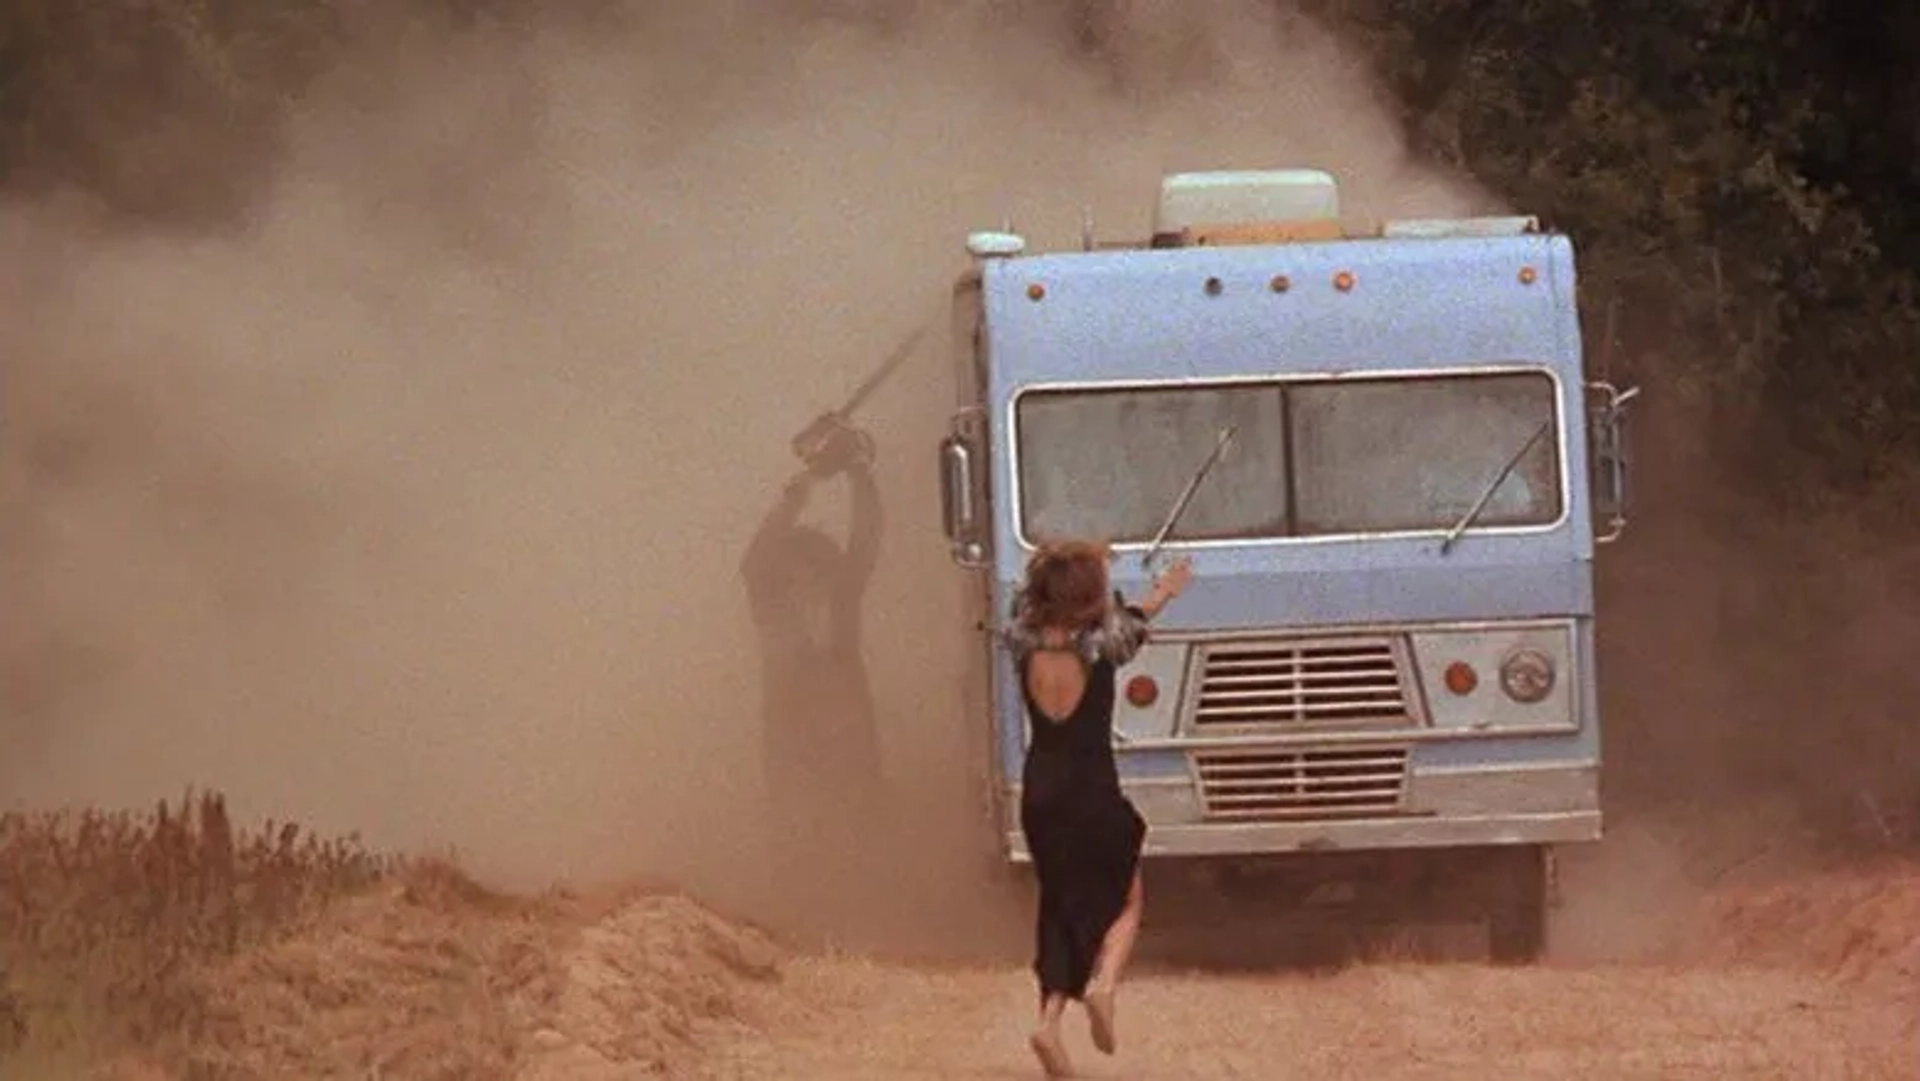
x: 1322, y: 682
x: 1252, y: 784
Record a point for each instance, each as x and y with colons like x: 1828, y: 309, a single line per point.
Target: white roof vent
x: 995, y: 244
x: 1195, y: 202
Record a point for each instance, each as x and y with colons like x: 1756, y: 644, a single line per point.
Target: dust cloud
x: 1756, y: 682
x: 414, y: 503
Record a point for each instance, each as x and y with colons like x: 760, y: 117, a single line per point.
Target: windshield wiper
x: 1186, y: 496
x: 1453, y: 535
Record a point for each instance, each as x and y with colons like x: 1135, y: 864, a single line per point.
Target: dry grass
x: 104, y: 917
x: 175, y: 945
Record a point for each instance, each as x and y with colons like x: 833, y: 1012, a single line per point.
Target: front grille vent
x: 1326, y: 682
x: 1257, y: 785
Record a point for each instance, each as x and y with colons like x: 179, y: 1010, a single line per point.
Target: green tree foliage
x: 1670, y: 139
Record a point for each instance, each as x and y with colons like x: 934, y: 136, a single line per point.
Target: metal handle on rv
x: 956, y: 487
x: 959, y: 508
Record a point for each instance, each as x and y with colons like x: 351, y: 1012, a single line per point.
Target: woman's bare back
x: 1056, y: 678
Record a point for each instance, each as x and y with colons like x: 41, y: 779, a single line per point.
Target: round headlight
x: 1527, y: 676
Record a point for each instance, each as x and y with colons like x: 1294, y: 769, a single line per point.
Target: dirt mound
x: 432, y: 980
x: 642, y: 986
x: 1858, y: 925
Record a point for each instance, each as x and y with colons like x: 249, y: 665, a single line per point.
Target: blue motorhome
x: 1390, y: 468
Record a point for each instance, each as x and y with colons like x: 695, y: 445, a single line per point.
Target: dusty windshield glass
x: 1310, y: 458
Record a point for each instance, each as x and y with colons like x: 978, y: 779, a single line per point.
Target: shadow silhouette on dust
x: 820, y: 750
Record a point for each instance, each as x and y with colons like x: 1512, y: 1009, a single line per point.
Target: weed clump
x: 104, y: 916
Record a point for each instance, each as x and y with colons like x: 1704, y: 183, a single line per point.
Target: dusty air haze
x: 414, y: 502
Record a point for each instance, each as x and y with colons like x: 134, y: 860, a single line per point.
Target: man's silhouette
x: 821, y: 753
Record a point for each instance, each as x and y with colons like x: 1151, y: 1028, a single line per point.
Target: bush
x: 104, y: 915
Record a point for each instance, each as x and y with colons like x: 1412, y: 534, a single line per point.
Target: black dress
x: 1082, y: 832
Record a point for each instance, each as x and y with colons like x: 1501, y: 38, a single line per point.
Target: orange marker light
x: 1461, y: 678
x: 1142, y: 692
x: 1343, y: 281
x: 1036, y: 291
x: 1528, y: 275
x: 1280, y: 284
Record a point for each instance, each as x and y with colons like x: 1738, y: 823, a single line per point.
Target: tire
x: 1517, y: 922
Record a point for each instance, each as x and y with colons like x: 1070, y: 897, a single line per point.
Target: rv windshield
x: 1311, y: 457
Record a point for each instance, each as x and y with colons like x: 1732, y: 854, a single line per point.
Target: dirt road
x: 1811, y: 979
x: 853, y: 1020
x: 1803, y: 976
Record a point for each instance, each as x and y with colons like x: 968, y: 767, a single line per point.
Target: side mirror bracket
x: 1611, y: 458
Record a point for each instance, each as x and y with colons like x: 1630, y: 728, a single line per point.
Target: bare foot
x: 1100, y: 1018
x: 1051, y: 1053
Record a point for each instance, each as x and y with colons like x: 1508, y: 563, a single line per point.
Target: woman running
x: 1069, y: 633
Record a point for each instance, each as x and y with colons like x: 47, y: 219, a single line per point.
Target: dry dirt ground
x: 1806, y: 979
x: 846, y: 1020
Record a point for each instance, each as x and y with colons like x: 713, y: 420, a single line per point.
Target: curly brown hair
x: 1066, y: 584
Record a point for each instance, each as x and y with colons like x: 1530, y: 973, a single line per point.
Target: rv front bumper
x: 1481, y: 806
